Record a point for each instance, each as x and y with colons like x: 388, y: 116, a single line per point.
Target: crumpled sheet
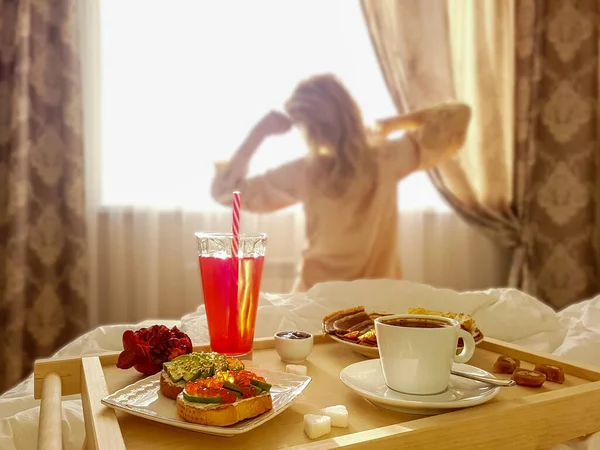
x: 505, y: 314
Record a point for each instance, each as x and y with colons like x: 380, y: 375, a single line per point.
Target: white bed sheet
x: 505, y: 314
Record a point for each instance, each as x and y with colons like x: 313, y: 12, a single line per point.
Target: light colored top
x: 353, y: 236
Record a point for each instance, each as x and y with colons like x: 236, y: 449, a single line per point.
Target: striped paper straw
x: 235, y: 227
x: 235, y: 267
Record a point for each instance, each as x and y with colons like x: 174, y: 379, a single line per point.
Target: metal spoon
x: 488, y: 380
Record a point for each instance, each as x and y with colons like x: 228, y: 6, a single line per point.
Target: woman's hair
x: 334, y: 130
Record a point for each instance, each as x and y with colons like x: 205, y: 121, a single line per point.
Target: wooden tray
x: 518, y: 417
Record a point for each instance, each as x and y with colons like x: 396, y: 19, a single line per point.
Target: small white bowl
x: 291, y: 350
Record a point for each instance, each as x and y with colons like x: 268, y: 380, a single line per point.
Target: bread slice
x: 170, y: 388
x: 222, y: 415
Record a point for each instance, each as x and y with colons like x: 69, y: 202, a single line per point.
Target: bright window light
x: 183, y: 81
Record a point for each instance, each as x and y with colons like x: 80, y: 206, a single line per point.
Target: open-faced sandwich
x: 192, y: 366
x: 225, y: 398
x: 356, y: 325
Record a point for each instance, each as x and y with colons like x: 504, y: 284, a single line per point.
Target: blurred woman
x: 347, y: 182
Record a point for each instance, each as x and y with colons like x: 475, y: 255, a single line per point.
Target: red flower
x: 147, y: 348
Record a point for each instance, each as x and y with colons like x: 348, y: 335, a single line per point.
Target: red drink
x: 230, y: 306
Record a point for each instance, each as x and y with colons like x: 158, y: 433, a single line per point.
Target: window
x: 183, y: 82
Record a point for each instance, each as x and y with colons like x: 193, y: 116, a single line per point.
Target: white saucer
x: 366, y: 379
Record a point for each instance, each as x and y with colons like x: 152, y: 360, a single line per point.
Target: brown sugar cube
x: 528, y: 378
x: 553, y: 373
x: 506, y: 364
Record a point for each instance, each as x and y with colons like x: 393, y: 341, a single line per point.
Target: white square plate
x: 143, y: 399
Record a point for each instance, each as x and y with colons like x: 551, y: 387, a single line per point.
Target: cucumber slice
x: 195, y: 399
x: 231, y: 386
x: 263, y: 385
x: 257, y: 389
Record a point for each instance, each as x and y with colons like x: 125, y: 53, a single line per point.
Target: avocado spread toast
x: 192, y: 366
x: 225, y: 398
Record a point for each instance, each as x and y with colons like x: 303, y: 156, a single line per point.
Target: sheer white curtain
x: 172, y: 86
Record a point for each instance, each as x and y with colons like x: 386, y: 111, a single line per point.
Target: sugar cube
x: 316, y: 426
x: 338, y: 415
x: 296, y: 369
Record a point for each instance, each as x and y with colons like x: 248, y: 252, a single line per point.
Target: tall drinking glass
x: 231, y: 306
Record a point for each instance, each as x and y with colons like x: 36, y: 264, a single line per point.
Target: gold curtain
x: 557, y: 145
x: 431, y: 51
x: 42, y: 228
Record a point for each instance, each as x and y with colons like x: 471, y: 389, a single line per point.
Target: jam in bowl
x: 293, y: 346
x: 293, y: 335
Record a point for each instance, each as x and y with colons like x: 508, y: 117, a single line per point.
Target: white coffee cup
x: 417, y: 351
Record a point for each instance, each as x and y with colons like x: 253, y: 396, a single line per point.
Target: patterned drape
x: 557, y: 144
x: 43, y: 277
x: 527, y: 176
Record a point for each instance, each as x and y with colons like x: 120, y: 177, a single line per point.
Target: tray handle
x: 50, y: 427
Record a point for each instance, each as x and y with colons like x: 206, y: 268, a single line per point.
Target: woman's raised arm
x: 438, y: 132
x: 273, y: 190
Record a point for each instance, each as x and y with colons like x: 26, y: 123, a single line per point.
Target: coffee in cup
x: 417, y: 351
